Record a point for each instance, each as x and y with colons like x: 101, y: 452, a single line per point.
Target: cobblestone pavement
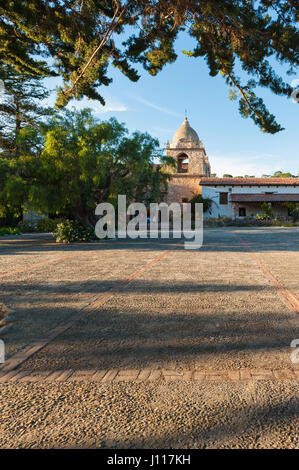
x: 108, y: 328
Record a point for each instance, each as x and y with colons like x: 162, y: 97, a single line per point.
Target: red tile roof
x: 249, y: 181
x: 264, y: 197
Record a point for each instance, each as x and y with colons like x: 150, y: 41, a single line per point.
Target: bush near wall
x: 48, y: 225
x: 70, y: 231
x: 9, y: 231
x: 42, y: 225
x: 248, y: 222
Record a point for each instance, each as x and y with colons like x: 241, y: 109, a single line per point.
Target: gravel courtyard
x: 159, y: 346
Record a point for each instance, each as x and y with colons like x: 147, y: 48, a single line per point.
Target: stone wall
x: 185, y: 185
x: 182, y: 186
x: 198, y: 162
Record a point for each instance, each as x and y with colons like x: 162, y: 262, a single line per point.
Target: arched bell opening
x: 183, y: 162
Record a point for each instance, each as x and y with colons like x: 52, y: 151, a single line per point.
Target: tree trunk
x: 84, y: 216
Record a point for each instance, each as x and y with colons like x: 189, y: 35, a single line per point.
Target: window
x: 242, y: 212
x: 223, y: 199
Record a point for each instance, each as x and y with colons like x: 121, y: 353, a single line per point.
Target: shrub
x: 293, y: 210
x: 70, y: 231
x: 9, y: 231
x: 267, y: 210
x: 207, y: 202
x: 47, y: 225
x: 42, y: 225
x: 27, y: 227
x: 262, y: 216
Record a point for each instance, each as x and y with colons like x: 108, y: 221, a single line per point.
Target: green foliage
x: 9, y: 231
x: 12, y: 188
x: 293, y: 208
x: 261, y: 216
x: 83, y: 162
x: 70, y: 231
x: 267, y: 209
x: 47, y: 225
x: 267, y: 212
x: 39, y: 226
x: 261, y: 221
x: 207, y: 203
x: 20, y: 112
x: 280, y: 174
x: 77, y: 40
x: 27, y: 227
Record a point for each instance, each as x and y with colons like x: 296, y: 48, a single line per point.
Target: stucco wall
x: 229, y: 210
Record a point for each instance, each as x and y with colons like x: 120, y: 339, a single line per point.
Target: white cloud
x: 96, y: 106
x: 152, y: 105
x: 111, y: 104
x: 116, y: 108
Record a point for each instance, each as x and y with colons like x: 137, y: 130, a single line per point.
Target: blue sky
x: 234, y: 144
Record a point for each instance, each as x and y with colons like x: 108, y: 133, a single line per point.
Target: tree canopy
x: 82, y: 162
x: 280, y: 174
x: 77, y: 39
x: 20, y: 110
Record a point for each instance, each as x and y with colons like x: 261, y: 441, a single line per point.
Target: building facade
x: 243, y: 197
x: 231, y: 197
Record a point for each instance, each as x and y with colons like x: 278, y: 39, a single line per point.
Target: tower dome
x: 184, y: 134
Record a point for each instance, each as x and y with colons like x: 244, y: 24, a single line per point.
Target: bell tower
x: 192, y: 164
x: 188, y: 152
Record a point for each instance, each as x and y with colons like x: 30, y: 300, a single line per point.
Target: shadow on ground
x: 215, y: 240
